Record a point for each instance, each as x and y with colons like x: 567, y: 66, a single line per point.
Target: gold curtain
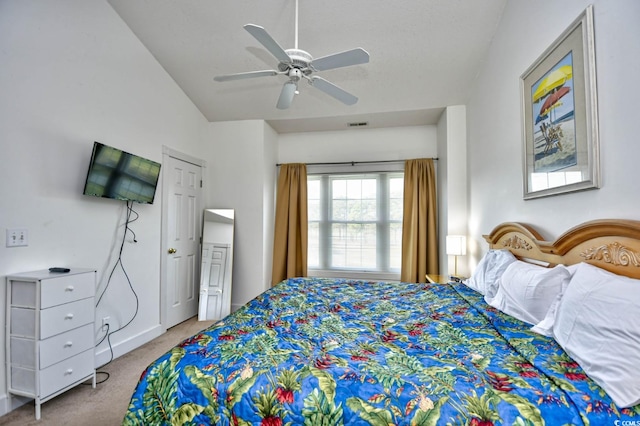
x: 419, y: 222
x: 290, y: 233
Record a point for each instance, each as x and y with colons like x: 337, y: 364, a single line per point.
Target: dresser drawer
x: 56, y: 348
x: 51, y: 350
x: 59, y: 319
x: 65, y: 373
x: 66, y: 288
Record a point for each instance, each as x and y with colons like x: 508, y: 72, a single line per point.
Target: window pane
x: 313, y: 199
x: 395, y: 209
x: 338, y: 244
x: 353, y: 245
x: 369, y: 210
x: 396, y: 194
x: 354, y: 188
x: 396, y: 187
x: 369, y: 189
x: 313, y: 188
x: 339, y: 210
x: 313, y: 246
x: 361, y: 246
x: 395, y: 245
x: 360, y: 230
x: 339, y: 189
x: 354, y: 208
x: 313, y: 210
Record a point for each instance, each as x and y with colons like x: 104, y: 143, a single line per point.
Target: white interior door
x: 183, y: 210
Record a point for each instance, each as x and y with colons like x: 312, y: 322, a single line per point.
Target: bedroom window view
x: 355, y: 221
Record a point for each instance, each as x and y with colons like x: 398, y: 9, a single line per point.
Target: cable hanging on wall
x: 131, y: 216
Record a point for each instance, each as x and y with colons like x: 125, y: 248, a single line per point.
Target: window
x: 355, y: 222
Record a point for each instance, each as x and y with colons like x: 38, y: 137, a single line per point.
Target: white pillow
x: 597, y: 324
x: 545, y: 327
x: 527, y: 291
x: 489, y: 270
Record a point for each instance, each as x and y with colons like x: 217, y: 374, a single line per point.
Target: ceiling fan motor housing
x: 299, y: 60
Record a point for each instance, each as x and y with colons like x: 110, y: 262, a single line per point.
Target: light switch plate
x: 17, y: 237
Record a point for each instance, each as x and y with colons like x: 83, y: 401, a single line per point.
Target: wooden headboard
x: 613, y: 245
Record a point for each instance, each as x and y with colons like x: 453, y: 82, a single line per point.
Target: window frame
x: 382, y: 226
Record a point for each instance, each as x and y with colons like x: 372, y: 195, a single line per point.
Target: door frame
x: 164, y: 246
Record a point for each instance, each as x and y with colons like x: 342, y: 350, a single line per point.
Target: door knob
x: 172, y: 250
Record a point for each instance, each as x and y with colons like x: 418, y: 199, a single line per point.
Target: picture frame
x: 560, y: 115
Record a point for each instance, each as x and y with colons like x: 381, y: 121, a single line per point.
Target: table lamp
x: 456, y: 246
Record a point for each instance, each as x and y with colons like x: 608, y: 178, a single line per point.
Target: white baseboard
x: 10, y: 403
x: 104, y: 355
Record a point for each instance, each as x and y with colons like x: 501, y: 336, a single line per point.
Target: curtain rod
x: 353, y: 163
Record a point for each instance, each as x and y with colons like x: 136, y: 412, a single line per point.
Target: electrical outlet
x: 105, y: 323
x: 18, y: 237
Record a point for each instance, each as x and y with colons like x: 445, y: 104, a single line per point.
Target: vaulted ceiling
x: 424, y: 55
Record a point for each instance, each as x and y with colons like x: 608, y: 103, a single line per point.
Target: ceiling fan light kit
x: 298, y: 64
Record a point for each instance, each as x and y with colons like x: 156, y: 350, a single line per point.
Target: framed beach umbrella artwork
x: 559, y: 115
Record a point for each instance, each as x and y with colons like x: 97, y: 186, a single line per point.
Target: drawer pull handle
x: 68, y: 344
x: 69, y: 316
x: 68, y: 372
x: 69, y: 288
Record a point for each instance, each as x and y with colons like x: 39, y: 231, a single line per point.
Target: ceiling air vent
x: 359, y: 124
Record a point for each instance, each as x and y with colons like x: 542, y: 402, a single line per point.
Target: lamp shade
x: 456, y: 245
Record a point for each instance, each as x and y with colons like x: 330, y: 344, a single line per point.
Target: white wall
x: 396, y: 143
x: 495, y: 166
x: 72, y: 72
x: 269, y: 198
x: 241, y: 155
x: 452, y: 184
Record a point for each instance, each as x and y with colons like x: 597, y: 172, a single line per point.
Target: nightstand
x: 437, y: 279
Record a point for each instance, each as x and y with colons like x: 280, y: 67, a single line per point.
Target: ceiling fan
x: 298, y: 64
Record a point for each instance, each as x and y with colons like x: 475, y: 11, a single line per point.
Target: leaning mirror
x: 217, y: 262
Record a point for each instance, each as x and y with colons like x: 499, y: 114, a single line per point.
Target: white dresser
x: 50, y: 332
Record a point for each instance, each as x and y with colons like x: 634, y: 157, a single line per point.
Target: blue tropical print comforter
x: 313, y: 351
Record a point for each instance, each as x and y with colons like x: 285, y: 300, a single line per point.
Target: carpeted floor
x: 107, y: 403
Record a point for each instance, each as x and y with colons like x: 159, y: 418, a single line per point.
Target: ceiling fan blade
x: 243, y: 75
x: 268, y: 42
x: 333, y: 90
x: 343, y: 59
x: 286, y: 95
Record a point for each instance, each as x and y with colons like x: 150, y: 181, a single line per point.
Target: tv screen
x: 117, y: 174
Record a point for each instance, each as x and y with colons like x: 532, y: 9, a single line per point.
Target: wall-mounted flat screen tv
x: 117, y: 174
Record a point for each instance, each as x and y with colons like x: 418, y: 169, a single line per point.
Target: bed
x: 319, y: 351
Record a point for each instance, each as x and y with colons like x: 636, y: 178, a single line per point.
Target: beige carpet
x: 107, y: 403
